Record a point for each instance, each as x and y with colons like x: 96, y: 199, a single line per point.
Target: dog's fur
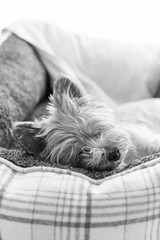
x: 78, y: 130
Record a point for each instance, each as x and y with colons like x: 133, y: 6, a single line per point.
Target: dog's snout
x: 114, y: 154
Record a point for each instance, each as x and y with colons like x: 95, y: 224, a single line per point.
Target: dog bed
x: 39, y: 201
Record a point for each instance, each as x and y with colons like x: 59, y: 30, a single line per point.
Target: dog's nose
x: 114, y: 154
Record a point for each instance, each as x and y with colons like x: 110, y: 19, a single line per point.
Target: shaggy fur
x: 82, y: 132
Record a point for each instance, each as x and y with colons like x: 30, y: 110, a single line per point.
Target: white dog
x: 78, y: 130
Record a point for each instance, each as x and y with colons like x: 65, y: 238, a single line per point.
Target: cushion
x: 22, y: 84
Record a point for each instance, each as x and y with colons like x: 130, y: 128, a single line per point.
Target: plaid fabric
x: 55, y: 204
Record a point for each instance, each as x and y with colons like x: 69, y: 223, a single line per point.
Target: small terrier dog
x: 82, y: 132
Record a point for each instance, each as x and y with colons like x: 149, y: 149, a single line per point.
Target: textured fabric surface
x: 22, y: 84
x: 25, y: 160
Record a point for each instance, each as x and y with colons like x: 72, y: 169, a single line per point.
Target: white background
x: 135, y: 20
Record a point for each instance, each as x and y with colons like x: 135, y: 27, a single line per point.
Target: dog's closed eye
x: 97, y: 134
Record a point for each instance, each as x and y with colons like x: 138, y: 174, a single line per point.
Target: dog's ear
x: 65, y: 86
x: 26, y: 134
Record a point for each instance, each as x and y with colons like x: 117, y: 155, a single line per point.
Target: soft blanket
x: 105, y: 67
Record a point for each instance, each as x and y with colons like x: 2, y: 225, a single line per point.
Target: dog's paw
x: 122, y: 166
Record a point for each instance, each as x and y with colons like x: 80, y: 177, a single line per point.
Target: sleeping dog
x: 81, y: 131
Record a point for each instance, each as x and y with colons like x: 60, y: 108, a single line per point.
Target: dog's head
x: 77, y: 131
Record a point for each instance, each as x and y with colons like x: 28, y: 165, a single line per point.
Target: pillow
x: 23, y: 84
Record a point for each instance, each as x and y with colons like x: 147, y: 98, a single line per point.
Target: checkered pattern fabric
x: 54, y: 204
